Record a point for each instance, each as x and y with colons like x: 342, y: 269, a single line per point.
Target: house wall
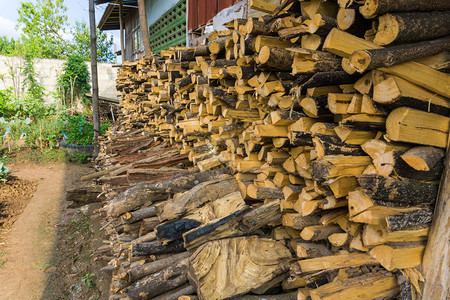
x: 131, y: 19
x: 156, y: 8
x: 48, y: 70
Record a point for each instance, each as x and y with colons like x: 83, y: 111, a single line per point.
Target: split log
x: 409, y: 220
x: 392, y: 258
x: 423, y: 158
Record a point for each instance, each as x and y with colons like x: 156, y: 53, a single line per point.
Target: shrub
x: 81, y: 132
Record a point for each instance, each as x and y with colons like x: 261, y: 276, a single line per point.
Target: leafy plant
x: 4, y: 173
x: 89, y: 279
x: 30, y: 83
x: 79, y: 157
x: 2, y: 261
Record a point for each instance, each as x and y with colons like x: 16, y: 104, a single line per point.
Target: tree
x: 74, y: 81
x: 82, y: 40
x: 46, y: 34
x: 43, y: 26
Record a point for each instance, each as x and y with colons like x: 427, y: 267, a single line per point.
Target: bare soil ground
x: 46, y: 248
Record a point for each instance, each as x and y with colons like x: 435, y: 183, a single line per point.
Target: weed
x: 80, y: 158
x: 89, y: 279
x: 2, y: 261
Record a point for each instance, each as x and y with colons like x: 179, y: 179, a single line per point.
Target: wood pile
x: 295, y: 156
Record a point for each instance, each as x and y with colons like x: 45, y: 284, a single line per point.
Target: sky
x: 78, y: 11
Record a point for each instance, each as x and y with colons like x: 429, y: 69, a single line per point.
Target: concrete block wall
x: 48, y: 71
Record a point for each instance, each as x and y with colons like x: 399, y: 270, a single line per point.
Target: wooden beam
x: 435, y: 266
x: 144, y: 28
x: 122, y: 46
x: 95, y: 114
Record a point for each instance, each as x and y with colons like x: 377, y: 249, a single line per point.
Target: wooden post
x: 122, y: 47
x: 144, y: 28
x: 95, y: 114
x: 436, y: 257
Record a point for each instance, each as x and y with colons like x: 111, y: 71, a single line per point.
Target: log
x: 377, y: 285
x: 423, y: 158
x: 133, y: 198
x: 392, y: 258
x: 396, y: 92
x: 138, y: 215
x: 144, y: 270
x: 200, y: 194
x: 215, y: 275
x: 412, y: 27
x: 155, y: 247
x: 276, y: 58
x: 177, y: 293
x: 364, y: 60
x: 261, y: 193
x: 242, y: 222
x: 409, y: 220
x: 160, y: 282
x: 401, y: 125
x: 373, y: 8
x: 391, y: 163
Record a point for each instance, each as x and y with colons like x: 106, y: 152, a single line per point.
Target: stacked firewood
x: 259, y: 164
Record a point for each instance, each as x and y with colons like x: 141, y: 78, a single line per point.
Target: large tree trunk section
x: 373, y: 8
x: 160, y: 282
x: 364, y: 60
x: 412, y: 27
x: 231, y: 267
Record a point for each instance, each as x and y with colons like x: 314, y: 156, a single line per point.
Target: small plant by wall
x: 73, y: 83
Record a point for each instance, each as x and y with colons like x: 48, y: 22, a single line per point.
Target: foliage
x: 4, y: 173
x: 43, y: 26
x: 9, y: 46
x: 80, y: 158
x: 81, y: 132
x: 30, y: 83
x: 89, y: 279
x: 73, y: 83
x: 7, y: 109
x: 46, y: 34
x: 82, y: 43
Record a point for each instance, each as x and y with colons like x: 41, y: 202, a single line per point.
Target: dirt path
x: 30, y: 243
